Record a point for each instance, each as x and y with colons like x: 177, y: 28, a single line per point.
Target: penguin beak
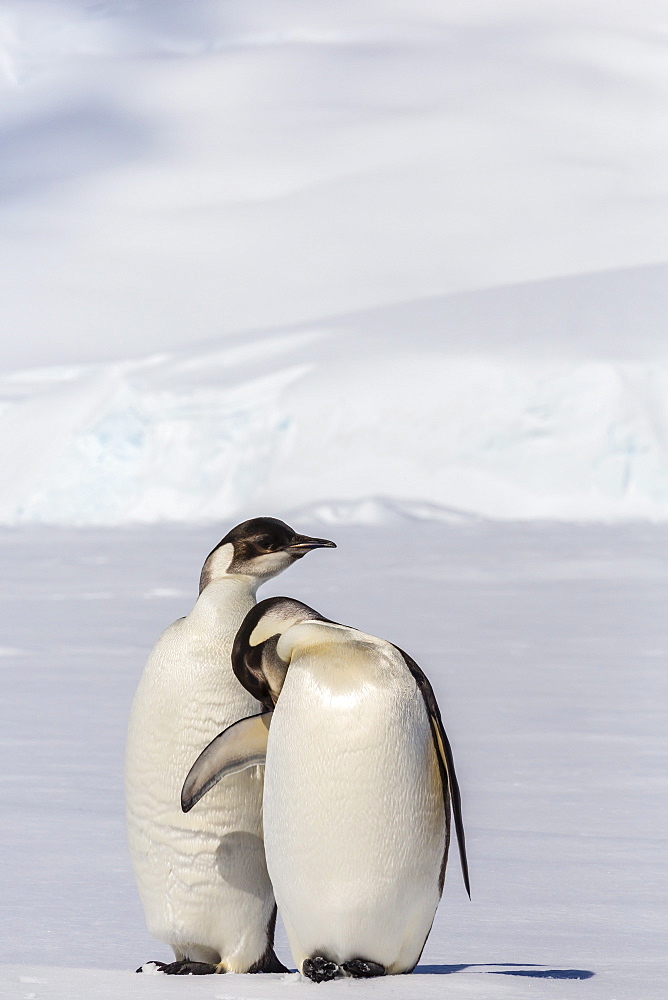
x: 301, y: 544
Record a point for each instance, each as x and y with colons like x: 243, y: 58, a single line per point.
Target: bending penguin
x: 359, y: 787
x: 202, y: 878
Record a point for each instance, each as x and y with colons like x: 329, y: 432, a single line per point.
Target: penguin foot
x: 159, y: 966
x: 270, y: 962
x: 363, y: 968
x: 320, y: 969
x: 182, y: 968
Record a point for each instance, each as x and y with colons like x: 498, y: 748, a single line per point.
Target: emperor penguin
x: 202, y: 878
x: 359, y: 787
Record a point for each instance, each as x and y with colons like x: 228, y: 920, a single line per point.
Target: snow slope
x: 546, y: 646
x: 176, y: 169
x: 237, y: 237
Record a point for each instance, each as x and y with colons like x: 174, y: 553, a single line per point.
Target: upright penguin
x: 359, y: 783
x: 203, y: 878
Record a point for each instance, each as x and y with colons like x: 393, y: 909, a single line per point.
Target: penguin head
x: 255, y: 661
x: 260, y: 548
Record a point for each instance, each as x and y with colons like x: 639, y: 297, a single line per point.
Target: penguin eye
x: 264, y: 542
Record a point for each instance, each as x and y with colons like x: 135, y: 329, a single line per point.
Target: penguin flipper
x: 241, y: 745
x: 446, y: 760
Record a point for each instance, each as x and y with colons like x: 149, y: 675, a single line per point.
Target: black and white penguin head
x: 261, y: 548
x: 255, y: 661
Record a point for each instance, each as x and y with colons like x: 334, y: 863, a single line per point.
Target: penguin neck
x: 228, y: 597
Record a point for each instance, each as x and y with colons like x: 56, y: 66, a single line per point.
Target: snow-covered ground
x: 546, y: 646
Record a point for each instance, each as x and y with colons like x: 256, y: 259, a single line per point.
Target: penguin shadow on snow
x: 241, y: 862
x: 506, y: 969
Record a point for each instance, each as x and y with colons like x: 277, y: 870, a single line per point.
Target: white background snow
x: 396, y: 271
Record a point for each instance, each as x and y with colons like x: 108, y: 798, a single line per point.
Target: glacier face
x: 325, y: 415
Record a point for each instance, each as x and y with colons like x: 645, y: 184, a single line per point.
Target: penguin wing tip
x: 188, y: 800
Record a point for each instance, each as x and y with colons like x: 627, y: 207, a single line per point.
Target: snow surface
x: 173, y: 169
x: 257, y: 255
x: 546, y: 646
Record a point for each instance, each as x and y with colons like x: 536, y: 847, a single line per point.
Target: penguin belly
x: 202, y: 877
x: 353, y: 814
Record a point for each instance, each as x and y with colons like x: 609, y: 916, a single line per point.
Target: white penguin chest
x: 353, y: 813
x: 186, y: 695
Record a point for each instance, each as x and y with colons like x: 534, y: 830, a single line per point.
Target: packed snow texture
x: 257, y: 255
x: 546, y: 647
